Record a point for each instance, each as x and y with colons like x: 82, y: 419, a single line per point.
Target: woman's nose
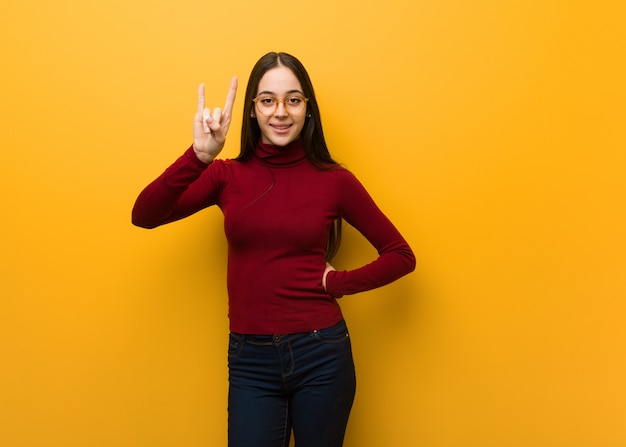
x: 280, y: 109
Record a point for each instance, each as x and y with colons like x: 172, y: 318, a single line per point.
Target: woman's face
x: 283, y: 125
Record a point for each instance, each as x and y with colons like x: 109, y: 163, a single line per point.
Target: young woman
x: 283, y: 198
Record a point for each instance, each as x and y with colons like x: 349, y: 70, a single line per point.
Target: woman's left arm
x: 395, y: 257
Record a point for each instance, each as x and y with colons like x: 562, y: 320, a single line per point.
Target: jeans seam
x: 287, y: 372
x: 286, y: 435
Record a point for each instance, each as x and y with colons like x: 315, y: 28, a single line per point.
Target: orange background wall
x: 491, y: 132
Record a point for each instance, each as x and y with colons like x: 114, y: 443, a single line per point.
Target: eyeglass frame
x: 278, y: 101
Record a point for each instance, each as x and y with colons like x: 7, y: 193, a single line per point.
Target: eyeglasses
x: 267, y: 105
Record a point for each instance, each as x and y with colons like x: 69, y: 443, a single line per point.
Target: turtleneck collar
x: 281, y: 155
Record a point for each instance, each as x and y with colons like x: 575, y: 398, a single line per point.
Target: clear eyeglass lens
x: 267, y: 105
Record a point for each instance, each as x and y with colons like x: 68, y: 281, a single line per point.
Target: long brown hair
x: 312, y: 134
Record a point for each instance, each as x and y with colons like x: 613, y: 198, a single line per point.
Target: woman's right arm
x: 178, y: 192
x: 175, y: 194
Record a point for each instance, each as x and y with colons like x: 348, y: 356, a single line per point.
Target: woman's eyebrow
x: 265, y: 92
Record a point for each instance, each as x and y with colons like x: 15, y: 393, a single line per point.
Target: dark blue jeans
x: 303, y: 381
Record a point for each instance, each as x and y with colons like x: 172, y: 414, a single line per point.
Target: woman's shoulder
x: 230, y: 169
x: 339, y: 172
x: 226, y: 164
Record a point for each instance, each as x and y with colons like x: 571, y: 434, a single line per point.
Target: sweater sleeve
x: 175, y: 194
x: 395, y: 257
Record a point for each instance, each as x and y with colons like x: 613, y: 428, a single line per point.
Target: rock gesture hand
x: 210, y: 129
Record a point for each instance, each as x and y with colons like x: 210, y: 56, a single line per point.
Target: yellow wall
x: 490, y: 131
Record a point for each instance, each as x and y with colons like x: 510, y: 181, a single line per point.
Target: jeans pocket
x: 333, y: 334
x: 235, y: 345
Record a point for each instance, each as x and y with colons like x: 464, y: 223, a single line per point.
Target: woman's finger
x: 200, y: 98
x: 206, y: 116
x: 217, y: 114
x: 230, y: 99
x: 215, y: 125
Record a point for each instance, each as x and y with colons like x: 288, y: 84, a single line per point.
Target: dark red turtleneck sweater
x: 278, y: 210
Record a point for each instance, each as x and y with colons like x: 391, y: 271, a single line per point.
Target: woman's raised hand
x: 210, y: 129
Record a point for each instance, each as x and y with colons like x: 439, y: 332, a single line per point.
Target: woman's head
x: 282, y: 75
x: 280, y: 107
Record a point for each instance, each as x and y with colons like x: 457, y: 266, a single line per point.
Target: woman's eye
x: 268, y: 101
x: 294, y: 100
